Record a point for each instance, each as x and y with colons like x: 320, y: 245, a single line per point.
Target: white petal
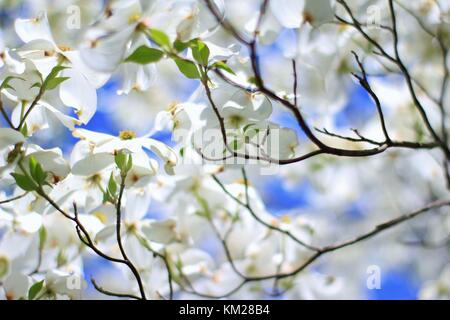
x: 140, y: 256
x: 195, y: 260
x: 30, y: 222
x: 16, y: 285
x: 105, y: 53
x: 9, y: 137
x: 221, y: 53
x: 51, y: 161
x: 45, y: 65
x: 137, y: 205
x: 97, y: 79
x: 79, y: 94
x: 66, y: 120
x: 35, y: 28
x: 137, y: 77
x: 288, y: 12
x: 106, y: 233
x: 13, y: 61
x: 160, y: 231
x: 164, y: 152
x: 91, y: 223
x: 95, y: 137
x: 92, y: 164
x: 186, y: 27
x: 22, y: 84
x: 321, y: 11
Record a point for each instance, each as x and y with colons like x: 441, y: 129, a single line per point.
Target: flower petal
x: 92, y: 164
x: 161, y: 150
x: 104, y: 53
x: 288, y: 12
x: 79, y: 94
x: 33, y: 29
x: 9, y: 137
x: 160, y: 231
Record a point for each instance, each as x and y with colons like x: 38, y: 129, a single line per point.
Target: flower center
x: 236, y: 120
x: 94, y: 180
x: 134, y: 18
x: 308, y: 17
x: 64, y: 48
x: 131, y: 227
x: 127, y: 135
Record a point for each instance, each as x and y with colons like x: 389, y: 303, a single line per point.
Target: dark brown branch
x: 119, y: 239
x: 294, y: 69
x: 32, y: 106
x: 82, y: 233
x: 247, y: 206
x: 378, y: 229
x: 365, y: 84
x: 13, y: 199
x: 113, y: 294
x: 3, y: 112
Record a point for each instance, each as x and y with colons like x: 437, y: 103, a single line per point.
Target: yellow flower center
x: 131, y: 227
x: 172, y: 108
x: 286, y: 219
x: 101, y: 216
x: 64, y: 48
x: 94, y: 180
x: 236, y: 120
x: 127, y: 135
x: 134, y: 18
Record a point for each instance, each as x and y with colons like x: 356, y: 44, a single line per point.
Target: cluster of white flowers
x: 252, y: 64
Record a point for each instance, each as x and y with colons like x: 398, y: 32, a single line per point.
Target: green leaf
x: 24, y: 182
x: 49, y: 82
x: 53, y: 83
x: 123, y: 161
x: 120, y: 159
x: 42, y: 237
x: 35, y: 289
x: 55, y: 71
x: 160, y: 38
x: 41, y: 175
x: 180, y: 46
x: 112, y: 185
x: 5, y: 83
x: 188, y: 68
x: 106, y: 197
x: 145, y: 55
x: 32, y: 162
x: 223, y: 66
x: 24, y: 129
x: 129, y: 163
x: 252, y: 80
x: 61, y: 258
x: 206, y: 212
x: 36, y: 85
x: 235, y: 145
x: 36, y: 171
x: 200, y: 52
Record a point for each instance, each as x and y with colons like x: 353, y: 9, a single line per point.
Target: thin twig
x: 13, y: 199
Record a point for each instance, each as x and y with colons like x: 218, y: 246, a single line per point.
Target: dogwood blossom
x: 297, y: 137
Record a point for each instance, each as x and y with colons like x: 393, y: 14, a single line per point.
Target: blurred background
x: 364, y: 192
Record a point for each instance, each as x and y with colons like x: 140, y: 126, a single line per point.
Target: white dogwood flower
x: 127, y: 140
x: 79, y: 90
